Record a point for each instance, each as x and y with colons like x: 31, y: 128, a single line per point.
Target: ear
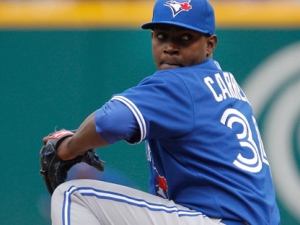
x: 211, y: 45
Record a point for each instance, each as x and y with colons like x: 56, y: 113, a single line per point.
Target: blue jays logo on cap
x: 197, y: 15
x: 178, y: 6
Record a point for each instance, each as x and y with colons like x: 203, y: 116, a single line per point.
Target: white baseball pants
x: 93, y: 202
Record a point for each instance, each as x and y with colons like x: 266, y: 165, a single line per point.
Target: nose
x: 171, y: 48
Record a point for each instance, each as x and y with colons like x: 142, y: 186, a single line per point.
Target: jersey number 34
x: 245, y: 137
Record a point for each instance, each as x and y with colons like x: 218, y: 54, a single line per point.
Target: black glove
x: 55, y: 170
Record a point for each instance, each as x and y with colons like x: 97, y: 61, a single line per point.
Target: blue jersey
x: 203, y: 144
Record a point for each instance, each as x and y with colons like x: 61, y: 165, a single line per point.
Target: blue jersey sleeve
x: 160, y: 104
x: 114, y: 121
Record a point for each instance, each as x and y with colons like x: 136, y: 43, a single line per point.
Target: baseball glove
x: 55, y: 170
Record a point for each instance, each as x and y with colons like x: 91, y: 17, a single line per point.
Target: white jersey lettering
x: 208, y: 81
x: 226, y: 87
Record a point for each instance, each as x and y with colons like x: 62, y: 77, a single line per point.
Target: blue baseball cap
x: 196, y: 15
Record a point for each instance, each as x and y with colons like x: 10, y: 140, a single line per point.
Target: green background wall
x: 54, y: 78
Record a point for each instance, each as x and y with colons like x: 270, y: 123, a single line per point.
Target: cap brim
x: 150, y: 25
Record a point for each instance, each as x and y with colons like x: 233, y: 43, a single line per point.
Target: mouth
x: 166, y: 65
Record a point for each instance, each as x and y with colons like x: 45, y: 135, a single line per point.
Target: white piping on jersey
x: 114, y: 196
x: 136, y: 112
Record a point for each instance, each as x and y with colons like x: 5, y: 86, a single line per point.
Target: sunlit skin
x: 174, y: 46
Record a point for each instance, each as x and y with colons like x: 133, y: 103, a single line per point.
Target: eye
x: 186, y: 37
x: 161, y: 36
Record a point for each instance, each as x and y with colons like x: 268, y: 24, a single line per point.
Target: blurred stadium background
x: 61, y: 60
